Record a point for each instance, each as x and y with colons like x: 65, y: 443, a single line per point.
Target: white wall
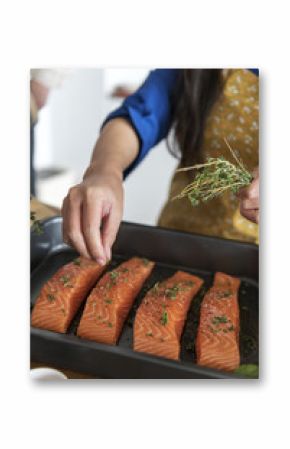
x: 71, y: 121
x: 67, y: 131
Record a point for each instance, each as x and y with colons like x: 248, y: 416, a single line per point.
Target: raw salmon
x: 62, y: 295
x: 110, y: 301
x: 217, y: 342
x: 161, y: 316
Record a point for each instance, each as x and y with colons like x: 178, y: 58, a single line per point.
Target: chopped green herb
x: 110, y: 324
x: 224, y: 294
x: 50, y: 297
x: 108, y: 301
x: 231, y: 328
x: 171, y: 292
x: 164, y: 317
x: 77, y: 262
x: 65, y: 280
x: 149, y: 334
x: 145, y: 261
x: 219, y: 319
x: 114, y: 274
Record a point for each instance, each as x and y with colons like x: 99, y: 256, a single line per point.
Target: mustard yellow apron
x: 235, y: 116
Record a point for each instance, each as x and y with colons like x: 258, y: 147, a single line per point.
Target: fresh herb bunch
x: 36, y: 226
x: 215, y: 176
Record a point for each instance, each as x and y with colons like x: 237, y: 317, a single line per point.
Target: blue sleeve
x: 149, y: 110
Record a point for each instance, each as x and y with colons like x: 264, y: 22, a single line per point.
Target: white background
x: 145, y: 414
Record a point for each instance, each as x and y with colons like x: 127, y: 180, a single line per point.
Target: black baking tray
x: 171, y: 250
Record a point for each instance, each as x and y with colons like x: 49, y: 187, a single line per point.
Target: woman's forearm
x: 116, y: 148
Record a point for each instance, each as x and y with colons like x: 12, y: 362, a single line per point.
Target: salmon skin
x: 110, y: 301
x: 217, y: 342
x: 161, y: 316
x: 62, y: 295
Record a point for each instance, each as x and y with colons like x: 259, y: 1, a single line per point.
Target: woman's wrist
x: 106, y: 168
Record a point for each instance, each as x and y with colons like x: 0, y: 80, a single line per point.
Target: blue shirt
x: 149, y: 110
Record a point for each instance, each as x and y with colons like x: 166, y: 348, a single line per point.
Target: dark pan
x: 171, y: 251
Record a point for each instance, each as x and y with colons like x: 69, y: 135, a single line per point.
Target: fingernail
x: 101, y: 261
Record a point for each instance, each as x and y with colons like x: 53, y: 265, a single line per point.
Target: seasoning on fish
x: 217, y: 342
x: 110, y: 301
x: 161, y: 316
x: 62, y: 295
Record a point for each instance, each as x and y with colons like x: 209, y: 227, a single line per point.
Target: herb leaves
x: 214, y: 177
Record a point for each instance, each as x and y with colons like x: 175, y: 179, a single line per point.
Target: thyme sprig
x: 214, y: 177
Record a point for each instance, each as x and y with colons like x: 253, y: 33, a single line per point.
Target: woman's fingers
x: 111, y: 223
x: 72, y: 231
x: 250, y: 203
x: 91, y: 225
x: 249, y: 197
x: 250, y: 214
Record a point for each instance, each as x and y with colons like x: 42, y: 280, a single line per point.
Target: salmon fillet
x: 62, y: 295
x: 110, y: 301
x: 161, y: 316
x: 217, y: 342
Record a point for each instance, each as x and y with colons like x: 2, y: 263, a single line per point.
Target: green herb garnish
x: 114, y: 276
x: 219, y: 319
x: 77, y: 262
x: 164, y: 317
x: 110, y: 324
x: 145, y: 261
x: 36, y: 226
x: 50, y: 297
x: 149, y: 334
x: 108, y: 301
x: 171, y: 292
x: 248, y: 370
x: 214, y: 177
x: 225, y: 294
x: 64, y: 279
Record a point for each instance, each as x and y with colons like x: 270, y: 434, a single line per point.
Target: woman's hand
x: 249, y: 206
x: 92, y: 212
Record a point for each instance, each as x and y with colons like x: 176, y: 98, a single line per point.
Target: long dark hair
x: 196, y: 92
